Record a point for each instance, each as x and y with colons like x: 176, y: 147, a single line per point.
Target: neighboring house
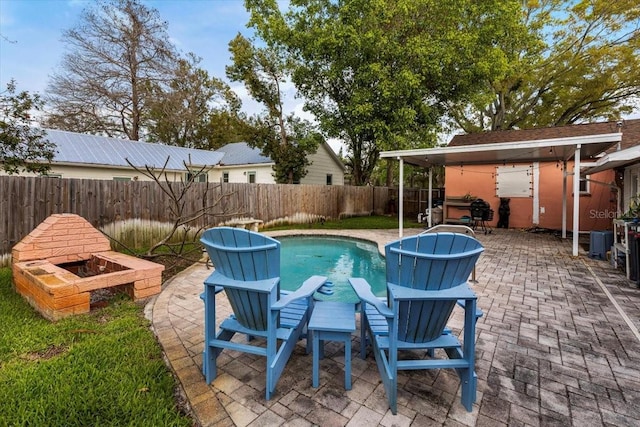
x: 87, y: 156
x: 326, y: 168
x: 242, y: 163
x: 625, y: 162
x: 535, y: 189
x: 97, y: 157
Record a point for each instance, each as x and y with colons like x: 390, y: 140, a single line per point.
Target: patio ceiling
x: 547, y: 150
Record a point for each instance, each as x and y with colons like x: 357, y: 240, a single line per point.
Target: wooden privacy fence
x: 26, y: 201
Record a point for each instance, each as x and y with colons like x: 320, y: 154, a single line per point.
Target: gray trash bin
x: 436, y: 215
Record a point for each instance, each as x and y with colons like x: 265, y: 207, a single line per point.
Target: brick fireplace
x: 61, y: 262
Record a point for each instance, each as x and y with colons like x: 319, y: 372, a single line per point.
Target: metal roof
x: 548, y: 150
x: 240, y: 153
x: 79, y: 148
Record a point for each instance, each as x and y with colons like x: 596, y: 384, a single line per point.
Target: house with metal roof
x: 87, y: 156
x: 98, y: 157
x: 243, y: 163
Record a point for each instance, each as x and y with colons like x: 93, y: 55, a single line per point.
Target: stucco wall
x: 597, y: 208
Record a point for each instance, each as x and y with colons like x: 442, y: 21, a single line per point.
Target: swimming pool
x: 338, y: 258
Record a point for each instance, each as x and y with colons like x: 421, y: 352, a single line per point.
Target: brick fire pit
x: 59, y: 264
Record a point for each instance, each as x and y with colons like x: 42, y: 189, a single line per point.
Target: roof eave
x: 123, y: 167
x: 614, y: 160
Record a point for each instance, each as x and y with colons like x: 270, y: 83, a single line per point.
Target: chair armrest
x: 363, y: 290
x: 460, y: 292
x: 217, y: 290
x: 218, y: 280
x: 307, y: 289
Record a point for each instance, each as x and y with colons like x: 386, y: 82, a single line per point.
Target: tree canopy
x: 579, y: 61
x: 286, y: 139
x: 379, y: 74
x: 22, y: 146
x: 119, y: 50
x: 194, y: 110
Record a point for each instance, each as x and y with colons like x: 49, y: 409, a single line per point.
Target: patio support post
x: 401, y: 199
x: 576, y: 200
x: 430, y: 199
x: 564, y: 199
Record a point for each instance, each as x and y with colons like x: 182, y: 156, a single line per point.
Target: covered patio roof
x: 614, y: 160
x: 567, y: 148
x: 547, y: 150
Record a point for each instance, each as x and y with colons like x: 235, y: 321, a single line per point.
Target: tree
x: 120, y: 49
x: 287, y: 140
x: 22, y: 147
x: 194, y: 110
x: 290, y: 160
x: 378, y: 74
x: 176, y: 241
x: 226, y: 127
x: 578, y: 61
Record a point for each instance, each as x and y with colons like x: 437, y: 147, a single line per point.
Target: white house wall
x: 100, y: 173
x: 323, y: 164
x: 264, y: 173
x: 631, y: 185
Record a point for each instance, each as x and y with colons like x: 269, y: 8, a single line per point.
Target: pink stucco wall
x: 597, y: 209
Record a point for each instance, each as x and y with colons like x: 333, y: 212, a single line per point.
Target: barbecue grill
x: 481, y: 212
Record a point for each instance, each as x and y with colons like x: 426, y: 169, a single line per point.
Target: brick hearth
x: 47, y: 261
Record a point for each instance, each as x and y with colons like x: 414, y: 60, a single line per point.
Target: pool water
x: 335, y: 257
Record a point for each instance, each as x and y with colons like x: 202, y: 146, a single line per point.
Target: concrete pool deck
x: 558, y: 345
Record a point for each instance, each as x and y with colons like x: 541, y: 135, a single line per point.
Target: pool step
x: 326, y: 288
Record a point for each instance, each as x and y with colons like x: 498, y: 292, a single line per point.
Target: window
x: 584, y: 185
x: 196, y: 177
x: 329, y: 179
x: 52, y: 175
x: 225, y: 176
x: 634, y: 181
x: 251, y: 177
x: 121, y: 178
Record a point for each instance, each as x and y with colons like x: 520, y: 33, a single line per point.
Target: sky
x: 31, y: 48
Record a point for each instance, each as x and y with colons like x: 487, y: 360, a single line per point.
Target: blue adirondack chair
x: 247, y: 268
x: 426, y: 276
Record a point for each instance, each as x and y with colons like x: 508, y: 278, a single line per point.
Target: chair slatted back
x: 243, y: 255
x: 430, y: 262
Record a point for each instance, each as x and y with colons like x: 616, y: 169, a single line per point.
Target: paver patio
x: 558, y: 345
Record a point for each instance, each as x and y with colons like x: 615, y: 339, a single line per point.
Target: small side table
x: 333, y: 321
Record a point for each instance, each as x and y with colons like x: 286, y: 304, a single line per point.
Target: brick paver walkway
x: 558, y: 345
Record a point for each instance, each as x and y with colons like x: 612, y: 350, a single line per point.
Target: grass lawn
x: 100, y: 369
x: 357, y: 222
